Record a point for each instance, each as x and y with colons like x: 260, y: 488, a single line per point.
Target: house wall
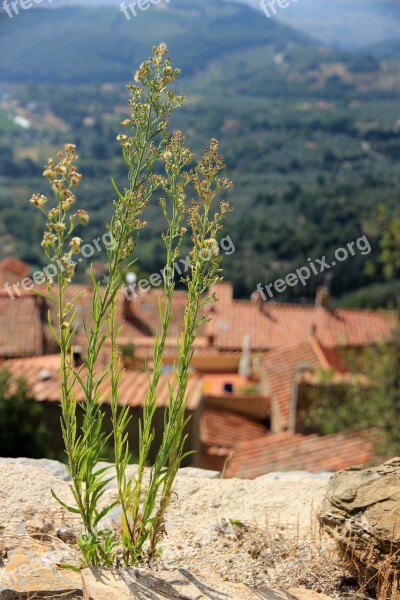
x: 210, y: 462
x: 277, y: 420
x: 255, y: 407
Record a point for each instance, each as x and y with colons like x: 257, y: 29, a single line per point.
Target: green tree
x: 371, y: 402
x: 22, y: 431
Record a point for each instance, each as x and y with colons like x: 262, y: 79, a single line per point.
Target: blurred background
x: 305, y: 104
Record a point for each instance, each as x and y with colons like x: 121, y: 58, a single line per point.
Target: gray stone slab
x: 53, y: 466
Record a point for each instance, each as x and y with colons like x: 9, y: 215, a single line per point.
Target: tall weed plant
x: 158, y: 163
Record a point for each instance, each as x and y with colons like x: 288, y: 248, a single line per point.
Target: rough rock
x: 303, y: 594
x: 31, y: 572
x: 361, y: 511
x: 191, y: 472
x: 294, y: 475
x: 66, y: 535
x: 39, y: 526
x: 199, y: 473
x: 240, y: 530
x: 138, y: 584
x: 53, y: 466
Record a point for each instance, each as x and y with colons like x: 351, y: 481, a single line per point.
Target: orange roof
x: 42, y: 374
x: 222, y: 430
x: 295, y: 452
x: 143, y: 311
x: 279, y: 368
x: 139, y: 318
x: 14, y: 265
x: 22, y: 331
x: 274, y: 325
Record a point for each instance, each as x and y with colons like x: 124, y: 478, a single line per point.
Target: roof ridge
x: 317, y: 348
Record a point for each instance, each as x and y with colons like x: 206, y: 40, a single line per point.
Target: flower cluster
x: 62, y: 176
x: 204, y: 223
x: 145, y: 142
x: 38, y: 200
x: 65, y: 168
x: 75, y: 245
x: 212, y: 246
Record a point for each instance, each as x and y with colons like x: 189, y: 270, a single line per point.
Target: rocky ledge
x: 361, y: 511
x: 227, y: 539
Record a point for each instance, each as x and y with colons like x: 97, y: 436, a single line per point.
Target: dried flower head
x: 75, y: 245
x: 49, y: 240
x: 82, y: 217
x: 38, y: 200
x: 212, y: 245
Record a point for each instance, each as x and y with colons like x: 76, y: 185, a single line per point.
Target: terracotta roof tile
x: 14, y: 265
x: 274, y: 325
x: 42, y: 374
x: 223, y: 429
x: 143, y: 312
x: 279, y: 367
x: 21, y: 326
x: 295, y: 452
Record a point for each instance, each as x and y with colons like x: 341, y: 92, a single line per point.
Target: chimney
x: 245, y: 361
x: 257, y: 300
x: 323, y: 297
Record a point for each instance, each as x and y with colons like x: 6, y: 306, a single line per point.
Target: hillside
x: 310, y: 135
x: 384, y: 50
x: 111, y: 45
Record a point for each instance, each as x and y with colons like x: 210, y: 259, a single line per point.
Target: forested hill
x: 95, y: 44
x: 311, y: 136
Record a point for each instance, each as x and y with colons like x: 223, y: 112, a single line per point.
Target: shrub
x: 22, y: 431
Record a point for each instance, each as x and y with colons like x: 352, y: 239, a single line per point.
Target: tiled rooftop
x: 279, y: 367
x: 274, y: 325
x: 270, y: 325
x: 42, y: 374
x: 22, y: 328
x: 295, y: 452
x: 143, y: 312
x: 15, y: 266
x: 222, y: 430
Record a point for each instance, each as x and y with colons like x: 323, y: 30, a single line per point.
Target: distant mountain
x: 346, y: 24
x: 384, y: 50
x: 342, y: 24
x: 89, y: 44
